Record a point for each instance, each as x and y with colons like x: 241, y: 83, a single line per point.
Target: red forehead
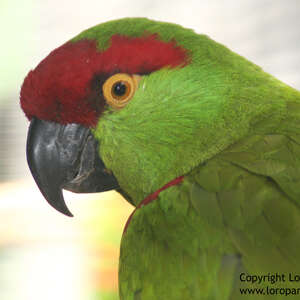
x: 60, y: 88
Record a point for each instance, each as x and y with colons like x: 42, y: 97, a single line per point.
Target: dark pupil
x: 119, y: 88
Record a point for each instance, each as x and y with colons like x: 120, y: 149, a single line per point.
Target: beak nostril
x: 107, y: 171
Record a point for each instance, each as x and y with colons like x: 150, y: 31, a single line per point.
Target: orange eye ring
x: 119, y: 89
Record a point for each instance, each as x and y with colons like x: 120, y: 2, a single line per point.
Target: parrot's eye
x: 120, y: 88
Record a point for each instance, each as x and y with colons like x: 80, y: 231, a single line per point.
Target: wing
x: 253, y: 189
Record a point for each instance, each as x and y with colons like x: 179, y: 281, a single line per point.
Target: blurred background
x: 43, y: 254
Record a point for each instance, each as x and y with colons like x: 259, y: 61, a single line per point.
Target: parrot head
x: 132, y: 104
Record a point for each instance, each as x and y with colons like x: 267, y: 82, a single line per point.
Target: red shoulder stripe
x: 153, y: 196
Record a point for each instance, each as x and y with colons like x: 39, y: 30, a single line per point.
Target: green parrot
x: 202, y: 142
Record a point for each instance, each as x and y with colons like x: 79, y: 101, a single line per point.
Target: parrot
x: 202, y: 142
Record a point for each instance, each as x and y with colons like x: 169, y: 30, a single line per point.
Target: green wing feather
x: 255, y: 184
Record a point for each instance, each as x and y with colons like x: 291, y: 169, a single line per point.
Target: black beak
x: 65, y: 157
